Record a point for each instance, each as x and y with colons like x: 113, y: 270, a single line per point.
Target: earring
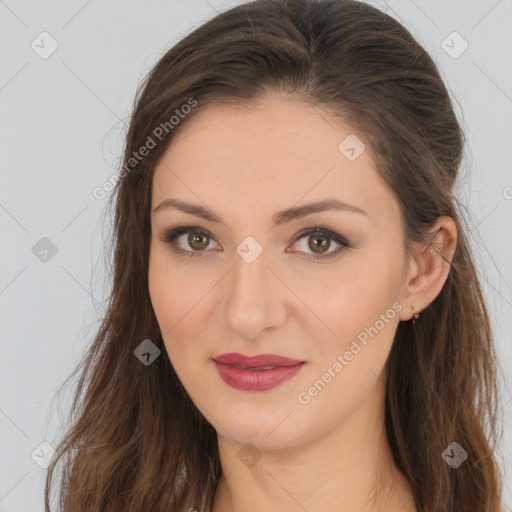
x: 416, y: 313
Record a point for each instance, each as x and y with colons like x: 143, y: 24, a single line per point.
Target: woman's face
x: 249, y: 284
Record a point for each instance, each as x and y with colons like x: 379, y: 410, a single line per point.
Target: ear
x: 429, y: 267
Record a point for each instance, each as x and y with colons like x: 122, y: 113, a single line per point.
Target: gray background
x: 63, y: 121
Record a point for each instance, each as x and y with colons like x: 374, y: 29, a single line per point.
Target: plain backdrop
x: 67, y: 82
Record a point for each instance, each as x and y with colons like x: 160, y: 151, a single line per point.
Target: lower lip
x: 256, y: 380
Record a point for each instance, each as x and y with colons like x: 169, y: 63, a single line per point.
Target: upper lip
x: 256, y: 361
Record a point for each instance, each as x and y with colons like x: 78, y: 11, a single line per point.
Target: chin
x: 265, y: 433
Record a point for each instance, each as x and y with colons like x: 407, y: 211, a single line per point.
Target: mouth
x: 255, y: 373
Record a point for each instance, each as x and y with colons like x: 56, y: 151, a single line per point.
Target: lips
x: 257, y: 373
x: 259, y: 362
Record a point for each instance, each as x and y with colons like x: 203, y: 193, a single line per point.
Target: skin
x: 245, y: 165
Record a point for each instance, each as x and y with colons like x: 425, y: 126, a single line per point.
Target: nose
x: 253, y: 298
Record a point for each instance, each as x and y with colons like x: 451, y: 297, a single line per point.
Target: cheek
x: 171, y: 291
x: 358, y: 293
x: 161, y: 286
x: 360, y: 304
x: 179, y: 300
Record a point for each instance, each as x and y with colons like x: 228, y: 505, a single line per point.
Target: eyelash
x: 171, y: 235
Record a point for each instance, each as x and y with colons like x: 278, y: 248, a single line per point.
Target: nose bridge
x: 250, y: 277
x: 253, y: 301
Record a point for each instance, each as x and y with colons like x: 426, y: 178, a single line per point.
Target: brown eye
x: 198, y: 241
x: 319, y: 243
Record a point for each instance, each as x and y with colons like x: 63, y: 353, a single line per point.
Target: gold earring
x: 416, y: 313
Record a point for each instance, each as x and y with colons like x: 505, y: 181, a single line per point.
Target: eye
x: 318, y: 240
x: 198, y: 239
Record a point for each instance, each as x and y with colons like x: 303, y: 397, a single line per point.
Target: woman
x: 295, y: 320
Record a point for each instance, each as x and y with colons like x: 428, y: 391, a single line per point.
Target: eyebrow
x: 279, y: 218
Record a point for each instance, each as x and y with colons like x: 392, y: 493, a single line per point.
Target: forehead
x: 280, y: 152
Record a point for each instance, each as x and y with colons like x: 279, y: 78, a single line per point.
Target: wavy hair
x: 135, y: 440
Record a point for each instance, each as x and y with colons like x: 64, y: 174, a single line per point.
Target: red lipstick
x: 256, y: 373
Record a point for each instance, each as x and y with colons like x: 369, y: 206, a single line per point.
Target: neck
x: 350, y: 465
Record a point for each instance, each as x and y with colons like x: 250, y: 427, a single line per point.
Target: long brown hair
x: 136, y: 442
